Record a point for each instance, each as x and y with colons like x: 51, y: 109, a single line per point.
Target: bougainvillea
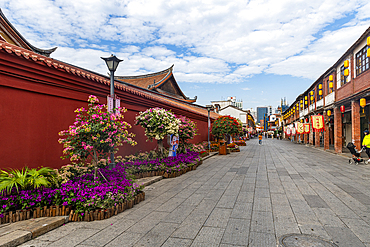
x: 158, y: 123
x: 95, y: 132
x: 187, y: 131
x: 225, y: 125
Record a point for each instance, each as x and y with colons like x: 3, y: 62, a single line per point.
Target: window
x: 362, y: 61
x: 343, y: 79
x: 330, y: 90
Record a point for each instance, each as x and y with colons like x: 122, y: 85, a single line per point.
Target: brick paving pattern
x: 250, y: 198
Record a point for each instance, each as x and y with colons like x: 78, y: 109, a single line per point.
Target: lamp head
x: 112, y: 62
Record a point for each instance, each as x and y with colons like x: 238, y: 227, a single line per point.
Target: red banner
x: 317, y: 123
x: 306, y: 128
x: 300, y: 128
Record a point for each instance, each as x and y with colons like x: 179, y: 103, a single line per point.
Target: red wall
x: 37, y: 102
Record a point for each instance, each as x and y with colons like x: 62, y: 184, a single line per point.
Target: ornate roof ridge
x: 45, y: 52
x: 168, y: 71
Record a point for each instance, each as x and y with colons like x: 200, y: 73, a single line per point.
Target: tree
x: 225, y: 125
x: 95, y: 132
x: 187, y: 131
x: 158, y: 123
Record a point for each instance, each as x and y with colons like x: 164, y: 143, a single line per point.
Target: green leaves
x: 25, y: 178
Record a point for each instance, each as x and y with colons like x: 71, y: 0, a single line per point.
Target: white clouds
x: 246, y: 89
x: 213, y: 41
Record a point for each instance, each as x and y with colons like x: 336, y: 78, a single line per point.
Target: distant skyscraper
x: 261, y: 111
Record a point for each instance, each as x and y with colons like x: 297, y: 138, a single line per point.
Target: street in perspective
x: 258, y: 197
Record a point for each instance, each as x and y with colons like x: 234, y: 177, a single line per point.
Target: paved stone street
x: 249, y: 198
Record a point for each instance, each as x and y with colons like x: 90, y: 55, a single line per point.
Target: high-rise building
x: 261, y: 111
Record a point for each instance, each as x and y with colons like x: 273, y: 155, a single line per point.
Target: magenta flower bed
x: 168, y: 164
x: 86, y: 194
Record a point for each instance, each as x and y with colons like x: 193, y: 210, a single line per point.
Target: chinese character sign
x: 300, y: 128
x: 317, y: 123
x: 306, y: 128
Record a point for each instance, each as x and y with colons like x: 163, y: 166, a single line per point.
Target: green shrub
x: 25, y: 179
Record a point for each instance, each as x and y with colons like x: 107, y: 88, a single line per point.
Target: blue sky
x: 258, y: 51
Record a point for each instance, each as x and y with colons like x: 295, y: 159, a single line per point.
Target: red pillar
x: 356, y: 130
x: 317, y: 139
x: 338, y: 128
x: 310, y: 136
x: 326, y: 132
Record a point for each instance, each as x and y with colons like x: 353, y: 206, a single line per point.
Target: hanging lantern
x: 320, y: 92
x: 368, y: 41
x: 301, y: 101
x: 363, y: 104
x: 368, y: 53
x: 328, y: 113
x: 330, y: 77
x: 342, y: 109
x: 311, y: 92
x: 305, y: 103
x: 346, y: 72
x: 305, y: 97
x: 320, y: 86
x: 330, y: 85
x: 306, y: 120
x: 302, y: 120
x: 346, y: 64
x: 311, y: 98
x: 301, y: 105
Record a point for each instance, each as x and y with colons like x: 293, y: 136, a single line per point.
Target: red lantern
x: 306, y: 120
x: 342, y: 109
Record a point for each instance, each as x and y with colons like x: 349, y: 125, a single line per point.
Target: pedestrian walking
x: 366, y: 143
x: 278, y: 136
x: 260, y: 139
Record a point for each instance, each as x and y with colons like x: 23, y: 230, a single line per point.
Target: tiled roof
x: 148, y: 81
x: 61, y: 66
x: 12, y: 32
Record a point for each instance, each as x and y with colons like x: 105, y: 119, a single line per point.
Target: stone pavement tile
x: 328, y: 218
x: 262, y: 183
x: 237, y: 232
x: 221, y: 186
x: 106, y: 235
x: 75, y: 238
x: 146, y: 224
x: 139, y: 213
x: 59, y: 232
x: 178, y: 242
x: 34, y: 243
x: 317, y: 230
x: 262, y: 192
x: 227, y: 201
x: 125, y: 239
x: 171, y: 204
x: 179, y: 214
x: 262, y: 204
x: 249, y: 180
x: 261, y: 239
x: 344, y: 237
x: 276, y: 187
x: 262, y: 222
x: 248, y: 187
x: 231, y: 245
x: 218, y: 218
x: 188, y: 229
x: 285, y: 226
x: 359, y: 227
x: 245, y: 197
x: 158, y: 235
x: 242, y: 210
x: 195, y: 199
x: 315, y: 201
x: 209, y: 235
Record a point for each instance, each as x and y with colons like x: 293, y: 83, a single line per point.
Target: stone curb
x: 210, y: 155
x: 14, y: 234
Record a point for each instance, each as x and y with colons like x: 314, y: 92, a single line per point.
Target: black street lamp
x: 112, y: 64
x: 209, y: 108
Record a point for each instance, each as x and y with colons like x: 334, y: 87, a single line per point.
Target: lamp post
x: 209, y: 108
x: 112, y: 64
